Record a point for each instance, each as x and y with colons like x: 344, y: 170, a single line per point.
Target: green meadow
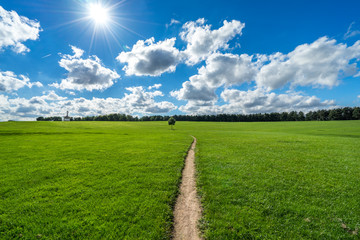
x: 119, y: 180
x: 92, y: 180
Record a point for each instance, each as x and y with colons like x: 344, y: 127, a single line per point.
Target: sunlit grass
x: 88, y: 180
x: 119, y: 180
x: 280, y: 180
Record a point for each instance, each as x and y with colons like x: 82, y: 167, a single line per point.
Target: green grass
x: 103, y: 180
x: 88, y: 180
x: 280, y: 180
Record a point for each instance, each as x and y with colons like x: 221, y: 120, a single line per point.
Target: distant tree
x: 323, y: 115
x: 292, y: 116
x: 171, y: 122
x: 284, y: 116
x: 347, y: 113
x: 356, y: 113
x: 335, y: 114
x: 301, y: 116
x: 315, y: 116
x: 308, y: 116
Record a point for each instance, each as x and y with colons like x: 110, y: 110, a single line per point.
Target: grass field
x: 97, y: 180
x: 286, y: 180
x: 103, y: 180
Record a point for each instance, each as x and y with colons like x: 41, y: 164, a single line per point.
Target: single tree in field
x: 171, y: 122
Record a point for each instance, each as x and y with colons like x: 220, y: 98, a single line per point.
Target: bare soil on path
x: 187, y: 209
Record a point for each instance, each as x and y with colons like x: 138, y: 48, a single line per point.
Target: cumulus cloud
x: 260, y: 101
x: 141, y: 101
x: 137, y: 101
x: 87, y: 74
x: 319, y: 64
x: 50, y: 96
x: 202, y: 41
x: 226, y: 69
x: 9, y: 82
x: 148, y: 58
x: 323, y: 63
x: 220, y: 70
x: 15, y: 29
x: 196, y: 107
x: 257, y: 101
x: 195, y: 91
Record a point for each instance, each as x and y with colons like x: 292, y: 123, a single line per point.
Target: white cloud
x: 322, y: 63
x: 260, y: 101
x: 138, y: 101
x: 52, y: 96
x: 202, y: 41
x: 220, y: 70
x: 319, y: 64
x: 201, y: 108
x: 87, y: 74
x: 350, y: 32
x: 172, y: 22
x: 256, y: 101
x: 15, y: 29
x: 148, y: 58
x: 155, y: 86
x: 195, y: 91
x: 9, y: 82
x: 226, y: 69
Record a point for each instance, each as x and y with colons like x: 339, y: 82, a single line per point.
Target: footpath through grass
x: 88, y: 180
x: 285, y: 180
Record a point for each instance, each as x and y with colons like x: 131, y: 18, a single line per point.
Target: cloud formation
x: 220, y: 70
x: 15, y: 29
x: 148, y: 58
x: 137, y: 101
x: 256, y: 101
x: 88, y: 74
x: 9, y: 82
x: 141, y: 101
x: 323, y: 63
x: 319, y: 64
x: 260, y: 101
x: 202, y: 41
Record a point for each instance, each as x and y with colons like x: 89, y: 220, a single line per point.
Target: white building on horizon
x: 67, y: 118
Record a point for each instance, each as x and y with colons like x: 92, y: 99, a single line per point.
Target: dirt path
x: 187, y: 209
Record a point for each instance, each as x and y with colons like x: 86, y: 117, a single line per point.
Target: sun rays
x: 98, y: 13
x: 100, y: 21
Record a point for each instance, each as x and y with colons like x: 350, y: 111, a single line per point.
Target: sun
x: 103, y: 21
x: 98, y: 13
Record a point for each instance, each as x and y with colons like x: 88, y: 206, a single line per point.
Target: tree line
x: 346, y: 113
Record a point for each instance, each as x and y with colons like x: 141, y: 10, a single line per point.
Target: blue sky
x: 92, y: 57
